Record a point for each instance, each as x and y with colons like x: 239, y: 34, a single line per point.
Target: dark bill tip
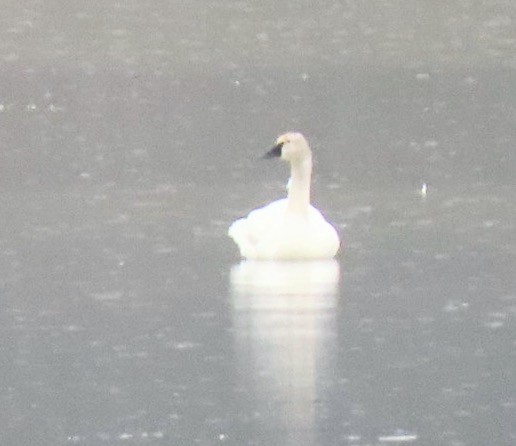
x: 275, y: 152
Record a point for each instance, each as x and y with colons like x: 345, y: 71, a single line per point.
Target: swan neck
x: 299, y: 191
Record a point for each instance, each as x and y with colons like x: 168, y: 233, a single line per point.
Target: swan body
x: 290, y: 228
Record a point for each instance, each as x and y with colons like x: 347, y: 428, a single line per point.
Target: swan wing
x: 325, y: 233
x: 248, y: 232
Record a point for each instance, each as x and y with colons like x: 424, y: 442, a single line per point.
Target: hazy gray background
x: 130, y: 134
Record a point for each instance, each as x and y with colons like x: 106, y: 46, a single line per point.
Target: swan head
x: 291, y: 147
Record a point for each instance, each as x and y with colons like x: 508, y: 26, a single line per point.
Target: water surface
x: 130, y: 137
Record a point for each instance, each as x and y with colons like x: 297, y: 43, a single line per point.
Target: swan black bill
x: 275, y: 152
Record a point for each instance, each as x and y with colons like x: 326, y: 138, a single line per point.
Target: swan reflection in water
x: 284, y: 328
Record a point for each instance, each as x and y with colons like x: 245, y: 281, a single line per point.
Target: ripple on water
x: 107, y: 295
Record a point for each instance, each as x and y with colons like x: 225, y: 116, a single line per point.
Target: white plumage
x: 290, y: 228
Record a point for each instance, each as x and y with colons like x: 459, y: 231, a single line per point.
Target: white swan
x: 288, y: 229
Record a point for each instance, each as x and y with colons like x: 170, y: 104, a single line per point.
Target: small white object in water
x: 401, y: 438
x: 424, y: 189
x: 290, y: 228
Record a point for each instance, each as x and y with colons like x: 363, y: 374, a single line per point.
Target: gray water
x: 131, y: 134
